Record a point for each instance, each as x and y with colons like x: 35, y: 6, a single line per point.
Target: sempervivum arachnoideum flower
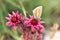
x: 14, y: 19
x: 34, y: 23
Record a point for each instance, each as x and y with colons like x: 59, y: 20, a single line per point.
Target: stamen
x: 34, y: 22
x: 14, y: 19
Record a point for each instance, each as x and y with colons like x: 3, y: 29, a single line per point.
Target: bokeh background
x: 50, y: 14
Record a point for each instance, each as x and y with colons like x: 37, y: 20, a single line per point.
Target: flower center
x: 14, y: 19
x: 34, y: 22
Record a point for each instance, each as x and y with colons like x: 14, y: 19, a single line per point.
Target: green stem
x: 22, y: 7
x: 11, y: 33
x: 2, y: 37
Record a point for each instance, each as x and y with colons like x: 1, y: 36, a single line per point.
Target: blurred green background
x: 50, y: 14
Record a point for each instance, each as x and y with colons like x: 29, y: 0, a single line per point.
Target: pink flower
x: 34, y: 23
x: 25, y: 36
x: 39, y: 36
x: 13, y: 20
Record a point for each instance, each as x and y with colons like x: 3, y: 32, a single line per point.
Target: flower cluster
x: 31, y: 27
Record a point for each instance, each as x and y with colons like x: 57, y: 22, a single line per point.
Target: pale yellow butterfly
x: 37, y: 12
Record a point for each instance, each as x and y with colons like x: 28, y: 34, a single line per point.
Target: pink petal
x: 15, y: 27
x: 37, y: 27
x: 33, y: 29
x: 17, y: 13
x: 31, y: 17
x: 41, y: 28
x: 39, y: 36
x: 9, y: 15
x: 25, y: 36
x: 9, y: 24
x: 14, y: 14
x: 26, y: 23
x: 7, y: 18
x: 26, y: 18
x: 14, y: 24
